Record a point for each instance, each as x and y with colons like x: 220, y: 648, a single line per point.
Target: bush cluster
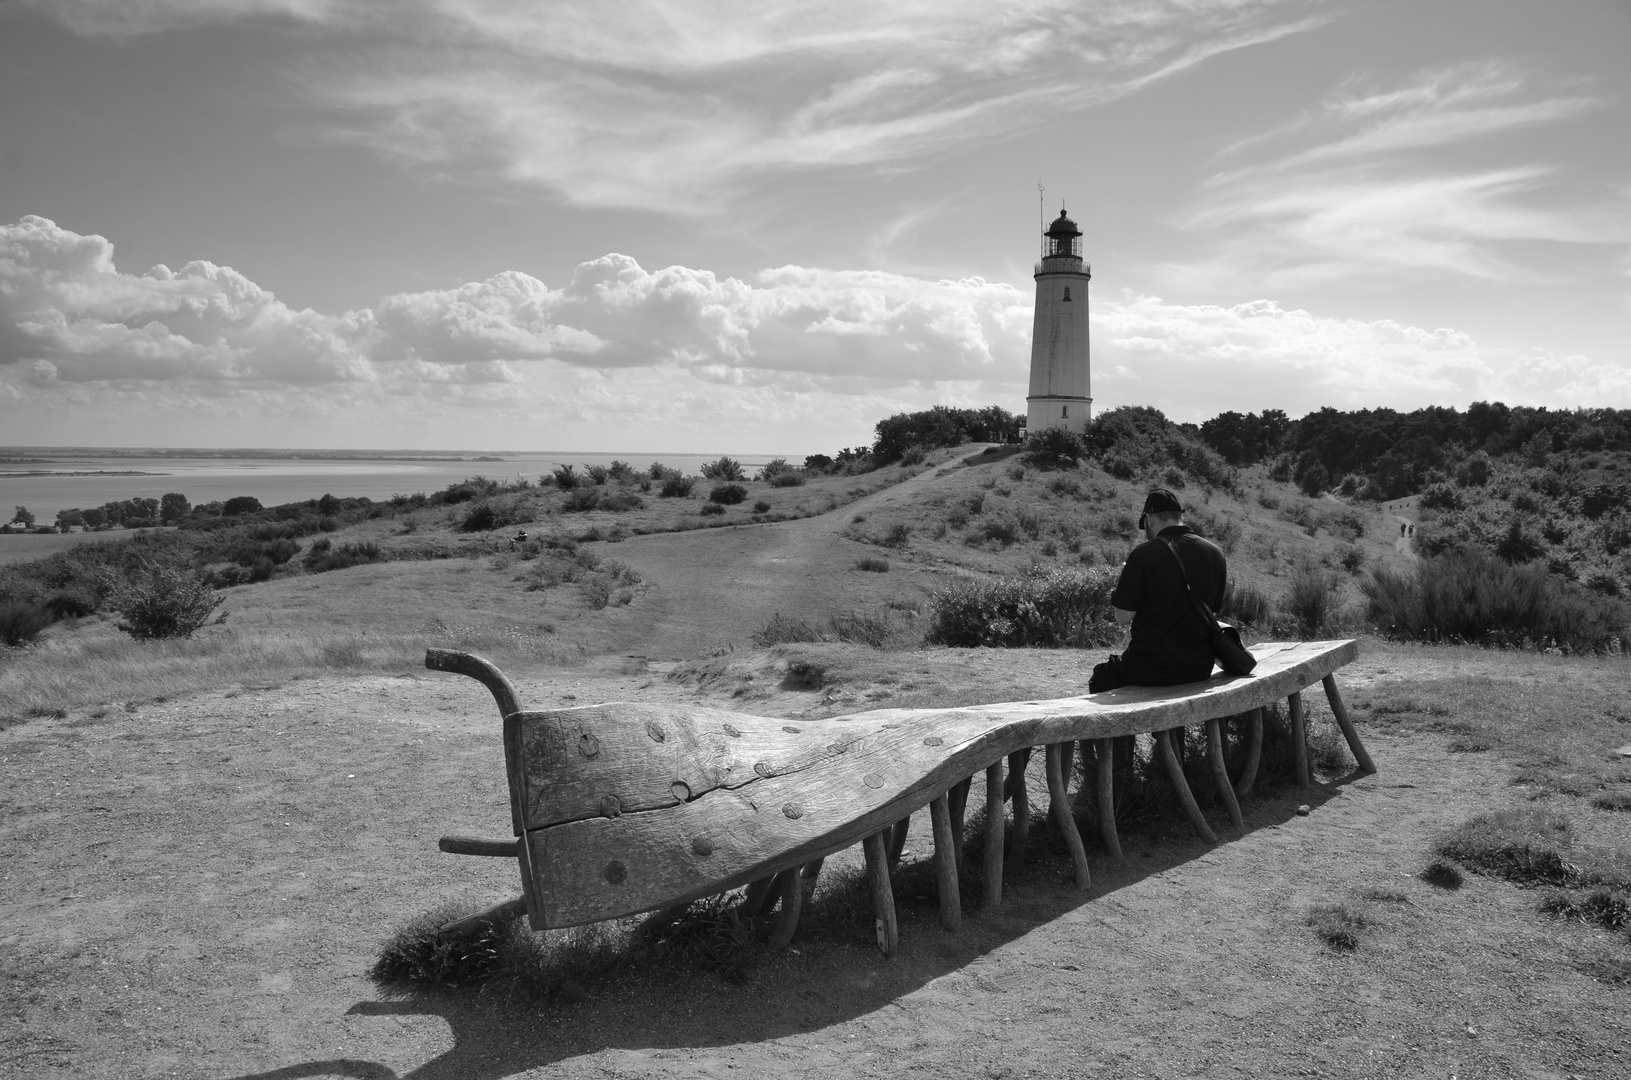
x: 1466, y: 594
x: 1054, y: 448
x: 728, y: 494
x: 324, y: 556
x: 723, y: 469
x: 1049, y: 607
x: 164, y: 602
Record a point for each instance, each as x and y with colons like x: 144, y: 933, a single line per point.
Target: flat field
x: 206, y: 845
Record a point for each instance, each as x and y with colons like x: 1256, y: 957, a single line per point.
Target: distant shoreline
x: 257, y: 455
x: 32, y: 473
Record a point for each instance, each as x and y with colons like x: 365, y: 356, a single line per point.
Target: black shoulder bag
x: 1225, y: 639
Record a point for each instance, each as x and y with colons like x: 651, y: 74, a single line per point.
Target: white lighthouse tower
x: 1061, y: 391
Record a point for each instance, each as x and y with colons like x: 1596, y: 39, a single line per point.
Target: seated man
x: 1169, y: 641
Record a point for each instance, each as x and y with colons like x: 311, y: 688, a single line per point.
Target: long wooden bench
x: 625, y: 808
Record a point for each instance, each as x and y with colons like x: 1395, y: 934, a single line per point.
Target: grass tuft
x: 1606, y: 907
x: 873, y: 564
x: 1338, y: 925
x: 1613, y: 800
x: 1524, y: 845
x: 1443, y: 875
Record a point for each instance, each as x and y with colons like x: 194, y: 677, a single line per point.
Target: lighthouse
x: 1061, y: 391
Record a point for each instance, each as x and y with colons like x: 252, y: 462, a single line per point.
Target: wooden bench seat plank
x: 768, y: 798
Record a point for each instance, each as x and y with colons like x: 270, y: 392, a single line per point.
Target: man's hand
x: 1122, y: 617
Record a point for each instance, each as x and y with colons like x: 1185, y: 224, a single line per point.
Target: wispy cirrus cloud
x: 1388, y: 179
x: 682, y: 107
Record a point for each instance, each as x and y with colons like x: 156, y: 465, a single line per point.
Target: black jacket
x: 1169, y: 640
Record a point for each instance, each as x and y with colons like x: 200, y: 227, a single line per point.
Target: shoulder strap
x: 1200, y: 605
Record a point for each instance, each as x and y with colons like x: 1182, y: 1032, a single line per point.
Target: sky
x: 761, y: 227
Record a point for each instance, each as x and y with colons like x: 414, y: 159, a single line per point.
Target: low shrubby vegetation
x: 1050, y: 607
x: 1467, y: 594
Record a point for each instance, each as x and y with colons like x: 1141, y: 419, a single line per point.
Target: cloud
x: 683, y: 107
x: 126, y: 18
x: 70, y: 313
x: 678, y: 353
x: 1375, y: 184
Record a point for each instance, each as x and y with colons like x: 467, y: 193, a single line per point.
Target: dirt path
x: 711, y: 588
x: 196, y: 890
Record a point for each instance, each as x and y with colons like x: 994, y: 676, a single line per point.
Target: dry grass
x: 368, y: 618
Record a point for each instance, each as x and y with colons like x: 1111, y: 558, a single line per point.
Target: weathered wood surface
x: 630, y: 807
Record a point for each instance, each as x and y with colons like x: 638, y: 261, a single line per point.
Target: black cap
x: 1162, y: 501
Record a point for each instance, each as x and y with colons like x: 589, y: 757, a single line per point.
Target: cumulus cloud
x: 1374, y: 184
x: 682, y: 351
x: 68, y: 311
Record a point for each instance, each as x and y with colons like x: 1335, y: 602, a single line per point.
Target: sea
x: 50, y: 479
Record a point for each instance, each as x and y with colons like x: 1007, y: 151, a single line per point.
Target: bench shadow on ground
x: 497, y: 1035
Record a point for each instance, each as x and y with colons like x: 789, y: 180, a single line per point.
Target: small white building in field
x: 1061, y: 392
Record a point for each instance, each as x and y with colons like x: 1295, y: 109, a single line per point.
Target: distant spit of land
x: 59, y: 452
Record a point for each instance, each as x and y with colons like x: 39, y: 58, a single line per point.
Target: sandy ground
x: 197, y: 888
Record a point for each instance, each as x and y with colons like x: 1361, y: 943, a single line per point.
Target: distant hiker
x: 1169, y: 641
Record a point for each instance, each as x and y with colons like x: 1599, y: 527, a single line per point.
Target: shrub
x: 473, y: 487
x: 164, y: 602
x: 620, y: 501
x: 324, y: 557
x: 676, y: 486
x: 781, y: 630
x: 727, y: 494
x: 711, y: 509
x: 499, y: 513
x: 1467, y: 594
x: 1352, y: 558
x: 760, y: 507
x: 73, y: 601
x: 597, y: 473
x: 21, y: 621
x: 566, y: 477
x: 582, y: 499
x: 778, y: 472
x: 1050, y: 607
x: 621, y: 471
x: 1054, y: 448
x: 724, y: 469
x: 1246, y: 604
x: 241, y: 504
x: 897, y: 536
x: 1311, y: 600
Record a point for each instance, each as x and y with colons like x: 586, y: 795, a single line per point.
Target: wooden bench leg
x: 1254, y: 755
x: 1067, y: 761
x: 883, y: 897
x: 957, y: 803
x: 993, y: 834
x: 753, y: 902
x: 1062, y: 816
x: 1220, y: 772
x: 808, y: 876
x: 494, y: 917
x: 945, y: 864
x: 897, y: 839
x: 1340, y: 711
x: 1175, y: 773
x: 792, y: 898
x: 1022, y: 806
x: 1106, y: 750
x: 1299, y: 739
